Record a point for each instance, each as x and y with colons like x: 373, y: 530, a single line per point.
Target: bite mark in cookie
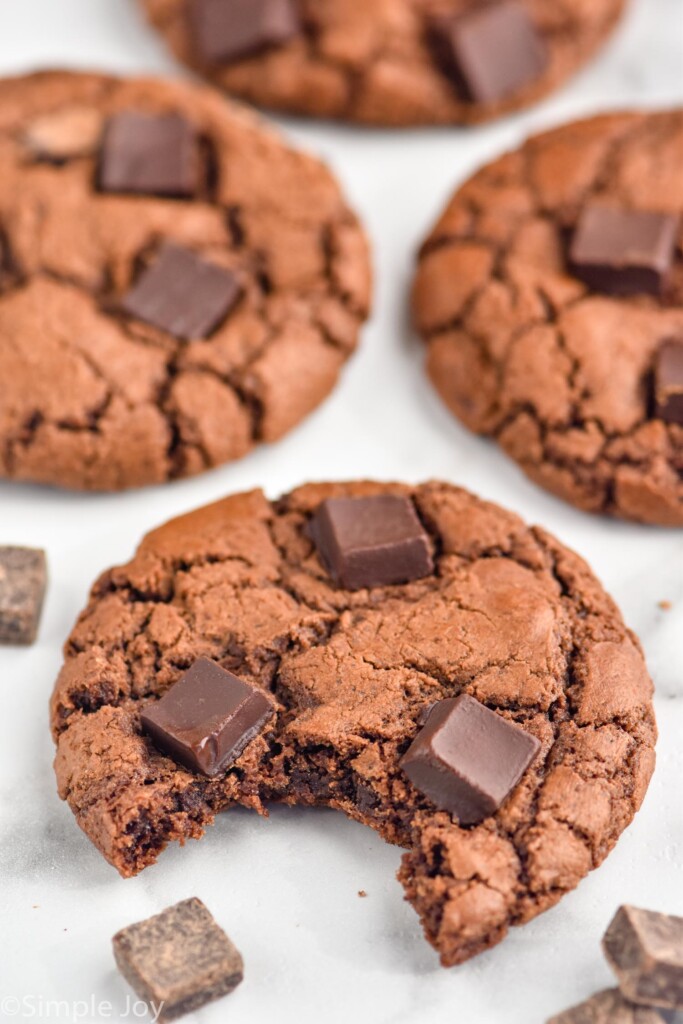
x: 508, y: 617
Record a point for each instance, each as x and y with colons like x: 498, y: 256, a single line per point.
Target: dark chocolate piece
x: 371, y: 542
x: 608, y: 1007
x: 150, y: 154
x: 645, y: 951
x: 225, y: 31
x: 183, y: 294
x: 669, y: 382
x: 468, y: 759
x: 623, y: 252
x: 490, y: 52
x: 179, y: 960
x: 23, y: 578
x: 207, y: 718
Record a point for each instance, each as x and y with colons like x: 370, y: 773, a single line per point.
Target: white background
x: 286, y: 889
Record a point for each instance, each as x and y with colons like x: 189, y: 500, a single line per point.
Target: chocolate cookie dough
x: 387, y: 62
x: 505, y: 615
x: 550, y: 295
x: 176, y: 284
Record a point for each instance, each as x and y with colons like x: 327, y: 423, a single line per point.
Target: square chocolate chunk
x: 490, y: 52
x: 225, y: 31
x: 371, y: 542
x: 183, y: 294
x: 178, y: 960
x: 23, y: 579
x: 669, y: 382
x: 148, y: 154
x: 645, y: 951
x: 207, y: 719
x: 468, y: 759
x: 623, y: 252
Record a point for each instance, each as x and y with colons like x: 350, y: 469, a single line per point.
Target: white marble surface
x: 286, y: 888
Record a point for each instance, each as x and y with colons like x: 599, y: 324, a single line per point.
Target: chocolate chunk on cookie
x: 150, y: 155
x: 208, y: 718
x: 23, y: 579
x: 224, y: 32
x: 182, y: 294
x: 669, y: 381
x: 550, y: 296
x: 386, y: 62
x: 556, y: 745
x: 468, y: 759
x: 177, y: 285
x: 490, y: 52
x: 645, y: 950
x: 623, y: 252
x: 179, y: 960
x: 371, y: 542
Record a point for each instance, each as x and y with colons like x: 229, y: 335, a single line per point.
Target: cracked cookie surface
x: 369, y: 61
x: 509, y: 616
x: 522, y: 351
x: 91, y: 398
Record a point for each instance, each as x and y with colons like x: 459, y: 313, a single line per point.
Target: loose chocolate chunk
x: 608, y: 1007
x: 623, y: 252
x: 669, y: 381
x: 645, y: 950
x: 183, y: 294
x: 225, y: 31
x: 149, y: 154
x: 490, y: 52
x: 468, y: 759
x: 23, y: 578
x: 178, y: 960
x: 207, y: 718
x: 371, y: 542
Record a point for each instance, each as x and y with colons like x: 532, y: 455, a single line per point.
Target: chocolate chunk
x: 645, y: 950
x: 150, y: 154
x: 207, y: 718
x: 669, y: 382
x: 468, y: 759
x: 183, y: 294
x: 608, y: 1007
x: 489, y: 53
x: 623, y: 252
x: 225, y: 31
x: 371, y: 542
x: 23, y: 578
x: 179, y: 960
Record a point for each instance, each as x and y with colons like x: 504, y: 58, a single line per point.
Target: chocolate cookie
x: 550, y: 294
x: 176, y: 285
x: 364, y: 697
x: 387, y: 62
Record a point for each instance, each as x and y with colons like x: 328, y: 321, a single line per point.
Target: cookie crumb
x: 666, y: 606
x: 362, y: 893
